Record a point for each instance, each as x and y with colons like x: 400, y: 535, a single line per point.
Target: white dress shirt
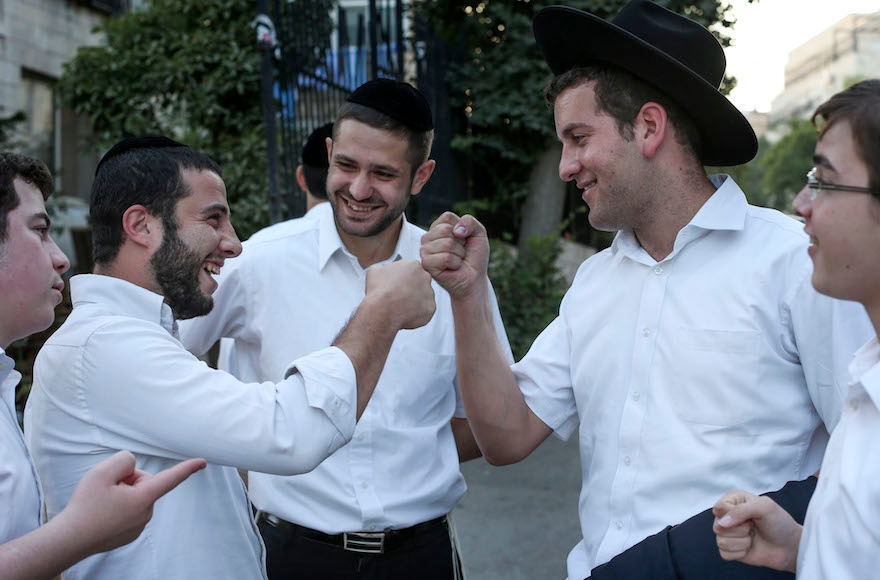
x: 712, y: 369
x: 291, y: 292
x: 21, y: 500
x: 115, y: 377
x: 841, y: 537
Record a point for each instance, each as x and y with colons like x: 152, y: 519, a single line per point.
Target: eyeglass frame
x: 815, y: 186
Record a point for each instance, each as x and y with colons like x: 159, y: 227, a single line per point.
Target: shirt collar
x: 726, y: 209
x: 9, y: 379
x: 329, y: 241
x: 122, y: 297
x: 865, y: 369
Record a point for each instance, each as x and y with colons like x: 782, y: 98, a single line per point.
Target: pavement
x: 519, y: 522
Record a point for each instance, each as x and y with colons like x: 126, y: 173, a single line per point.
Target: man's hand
x: 403, y: 289
x: 756, y: 530
x: 114, y: 500
x: 455, y: 251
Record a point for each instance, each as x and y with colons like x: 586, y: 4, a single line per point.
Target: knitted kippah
x: 314, y: 153
x: 397, y: 99
x: 132, y: 143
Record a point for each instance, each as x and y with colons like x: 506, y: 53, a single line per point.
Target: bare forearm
x: 367, y: 339
x: 503, y: 425
x: 464, y: 440
x: 43, y: 553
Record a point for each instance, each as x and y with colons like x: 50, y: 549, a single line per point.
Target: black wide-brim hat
x: 671, y: 52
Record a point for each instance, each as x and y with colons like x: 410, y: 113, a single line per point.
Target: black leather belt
x: 363, y: 542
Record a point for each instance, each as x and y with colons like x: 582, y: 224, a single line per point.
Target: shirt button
x: 646, y: 332
x: 360, y: 437
x: 364, y: 484
x: 627, y: 460
x: 658, y: 270
x: 619, y: 524
x: 636, y: 396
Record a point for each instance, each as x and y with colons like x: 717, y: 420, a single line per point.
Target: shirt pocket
x: 422, y: 383
x: 715, y: 374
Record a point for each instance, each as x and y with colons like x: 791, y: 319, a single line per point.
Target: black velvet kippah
x: 397, y: 99
x: 132, y: 143
x: 314, y: 152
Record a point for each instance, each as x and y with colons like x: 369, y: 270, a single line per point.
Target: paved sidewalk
x: 519, y: 522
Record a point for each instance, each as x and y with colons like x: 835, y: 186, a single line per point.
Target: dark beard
x: 176, y: 269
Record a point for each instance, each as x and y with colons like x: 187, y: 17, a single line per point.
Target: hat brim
x: 570, y: 38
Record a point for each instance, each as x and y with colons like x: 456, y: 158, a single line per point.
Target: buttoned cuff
x: 330, y: 385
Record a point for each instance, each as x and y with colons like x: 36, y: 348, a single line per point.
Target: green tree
x: 786, y: 163
x: 529, y: 288
x: 189, y: 70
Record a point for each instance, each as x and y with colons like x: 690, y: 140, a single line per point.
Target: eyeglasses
x: 816, y: 186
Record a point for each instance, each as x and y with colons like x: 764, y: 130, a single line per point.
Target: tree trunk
x: 542, y: 211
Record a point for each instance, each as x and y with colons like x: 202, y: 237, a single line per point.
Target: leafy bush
x: 529, y: 287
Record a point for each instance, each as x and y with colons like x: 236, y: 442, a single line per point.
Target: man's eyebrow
x: 44, y: 216
x: 215, y: 207
x: 822, y: 161
x: 373, y: 167
x: 571, y: 127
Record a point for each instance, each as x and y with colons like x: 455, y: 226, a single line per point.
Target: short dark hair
x: 860, y: 106
x: 621, y: 95
x: 29, y: 169
x: 316, y: 181
x: 419, y: 141
x: 152, y: 177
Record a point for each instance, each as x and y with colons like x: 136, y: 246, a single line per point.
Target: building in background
x: 827, y: 63
x: 36, y: 38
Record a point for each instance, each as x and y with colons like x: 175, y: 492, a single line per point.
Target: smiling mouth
x: 212, y: 269
x: 587, y: 186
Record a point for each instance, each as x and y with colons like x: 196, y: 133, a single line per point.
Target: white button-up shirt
x: 21, y: 500
x: 841, y: 537
x: 114, y: 377
x: 289, y: 293
x: 712, y: 369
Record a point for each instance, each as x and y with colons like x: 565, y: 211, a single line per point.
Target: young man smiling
x: 114, y: 500
x: 115, y: 376
x: 377, y: 508
x: 840, y: 205
x: 691, y: 352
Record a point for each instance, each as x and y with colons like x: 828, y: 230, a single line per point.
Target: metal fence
x: 321, y: 52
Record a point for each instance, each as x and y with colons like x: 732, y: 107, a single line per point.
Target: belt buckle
x: 365, y: 543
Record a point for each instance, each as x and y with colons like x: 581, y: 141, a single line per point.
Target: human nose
x: 360, y: 187
x: 59, y: 259
x: 568, y: 165
x: 803, y: 203
x: 230, y: 245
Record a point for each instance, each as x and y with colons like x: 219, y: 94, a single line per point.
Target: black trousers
x: 291, y: 555
x: 688, y: 551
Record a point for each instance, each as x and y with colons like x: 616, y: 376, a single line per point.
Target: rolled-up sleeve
x: 161, y: 400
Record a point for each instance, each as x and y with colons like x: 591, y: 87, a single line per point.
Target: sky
x: 766, y: 31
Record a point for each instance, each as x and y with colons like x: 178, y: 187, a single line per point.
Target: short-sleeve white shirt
x: 718, y: 367
x: 115, y: 377
x: 841, y: 537
x: 290, y: 292
x: 20, y: 496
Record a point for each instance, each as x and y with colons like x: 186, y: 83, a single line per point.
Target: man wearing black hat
x: 377, y: 507
x: 114, y: 376
x: 693, y: 352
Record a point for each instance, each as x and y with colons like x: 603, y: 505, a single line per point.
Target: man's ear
x: 423, y: 174
x: 141, y: 227
x: 301, y: 178
x: 651, y: 127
